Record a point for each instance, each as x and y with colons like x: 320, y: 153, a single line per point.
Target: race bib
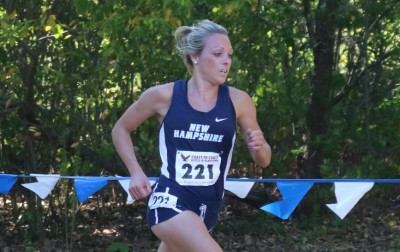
x: 196, y: 168
x: 162, y: 199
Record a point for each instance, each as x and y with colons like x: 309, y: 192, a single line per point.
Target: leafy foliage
x: 70, y: 68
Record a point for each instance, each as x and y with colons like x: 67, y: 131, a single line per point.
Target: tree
x: 323, y: 75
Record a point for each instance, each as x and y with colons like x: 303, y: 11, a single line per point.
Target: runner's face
x: 216, y: 59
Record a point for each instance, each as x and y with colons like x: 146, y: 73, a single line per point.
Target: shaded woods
x: 323, y: 75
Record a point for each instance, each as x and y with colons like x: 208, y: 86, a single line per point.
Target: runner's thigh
x: 185, y: 232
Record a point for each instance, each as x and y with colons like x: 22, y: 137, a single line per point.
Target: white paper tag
x: 162, y: 199
x: 196, y: 168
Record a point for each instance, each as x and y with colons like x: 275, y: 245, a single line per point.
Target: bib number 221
x: 197, y: 168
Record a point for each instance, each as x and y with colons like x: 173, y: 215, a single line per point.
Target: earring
x: 195, y: 62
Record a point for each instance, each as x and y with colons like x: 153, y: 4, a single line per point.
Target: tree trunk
x: 323, y: 41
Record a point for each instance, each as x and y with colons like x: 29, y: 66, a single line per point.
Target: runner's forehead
x: 218, y: 42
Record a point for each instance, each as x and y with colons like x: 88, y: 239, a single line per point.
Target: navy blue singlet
x: 196, y: 151
x: 196, y: 147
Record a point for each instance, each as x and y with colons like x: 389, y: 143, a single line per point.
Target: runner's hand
x: 139, y: 186
x: 255, y: 139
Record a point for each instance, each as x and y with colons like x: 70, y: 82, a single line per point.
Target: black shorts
x: 166, y: 201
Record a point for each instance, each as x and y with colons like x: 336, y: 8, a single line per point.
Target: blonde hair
x: 190, y: 39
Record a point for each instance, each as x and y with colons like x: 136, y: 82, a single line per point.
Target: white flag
x: 45, y: 184
x: 241, y: 189
x: 347, y: 196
